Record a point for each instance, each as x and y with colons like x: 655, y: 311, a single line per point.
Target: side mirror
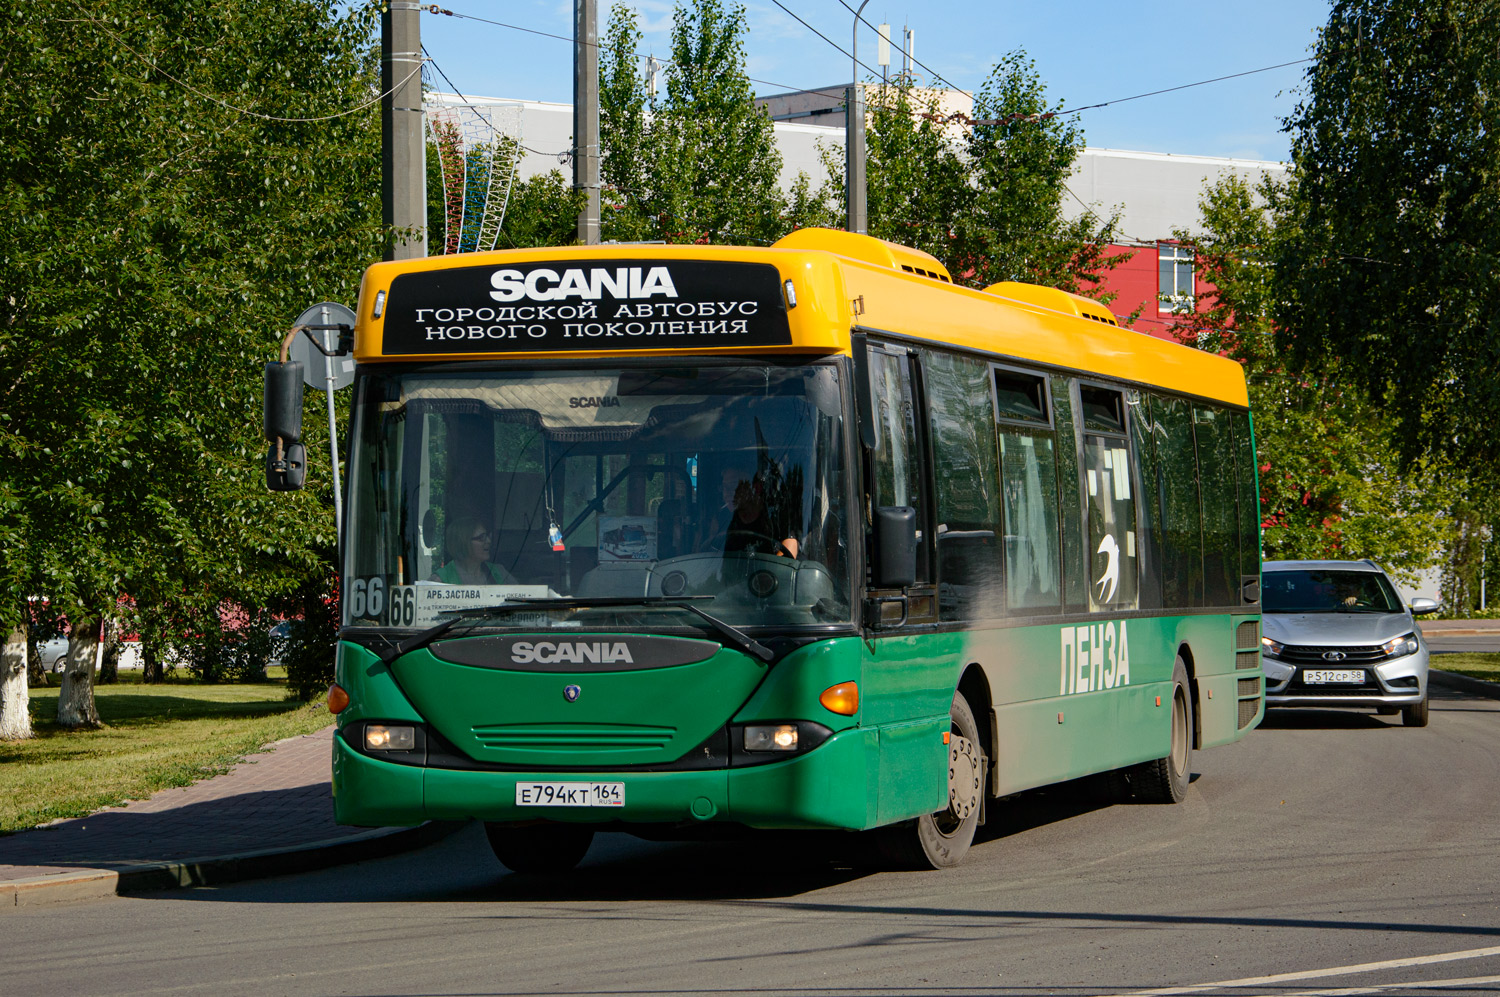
x: 1421, y: 607
x: 281, y: 409
x: 895, y: 546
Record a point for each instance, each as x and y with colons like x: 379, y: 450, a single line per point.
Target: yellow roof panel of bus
x: 830, y: 294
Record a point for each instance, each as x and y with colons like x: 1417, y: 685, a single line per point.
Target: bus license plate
x: 570, y: 794
x: 1343, y: 676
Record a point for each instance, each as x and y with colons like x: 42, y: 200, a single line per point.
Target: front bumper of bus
x: 823, y: 788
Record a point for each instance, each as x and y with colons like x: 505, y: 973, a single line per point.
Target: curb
x: 1464, y: 683
x: 95, y: 884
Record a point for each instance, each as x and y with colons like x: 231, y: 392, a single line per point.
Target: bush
x: 234, y: 647
x: 310, y: 645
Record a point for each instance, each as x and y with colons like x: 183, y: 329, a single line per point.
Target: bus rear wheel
x: 1165, y: 780
x: 940, y: 840
x: 540, y: 849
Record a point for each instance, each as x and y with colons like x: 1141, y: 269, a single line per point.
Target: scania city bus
x: 807, y: 536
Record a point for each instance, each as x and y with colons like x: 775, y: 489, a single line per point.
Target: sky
x: 1085, y: 53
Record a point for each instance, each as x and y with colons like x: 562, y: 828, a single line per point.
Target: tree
x: 161, y: 222
x: 1331, y: 482
x: 984, y: 196
x: 700, y: 165
x: 15, y: 715
x: 1393, y: 268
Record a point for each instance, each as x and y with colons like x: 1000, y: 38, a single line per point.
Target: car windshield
x: 724, y: 485
x: 1328, y: 591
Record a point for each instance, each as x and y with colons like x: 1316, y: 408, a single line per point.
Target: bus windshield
x: 721, y: 484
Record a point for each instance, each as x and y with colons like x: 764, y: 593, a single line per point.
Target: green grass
x: 154, y: 737
x: 1473, y: 664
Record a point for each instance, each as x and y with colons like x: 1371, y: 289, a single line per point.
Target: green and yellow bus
x: 648, y: 538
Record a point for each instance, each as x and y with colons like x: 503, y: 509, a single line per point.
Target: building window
x: 1175, y: 286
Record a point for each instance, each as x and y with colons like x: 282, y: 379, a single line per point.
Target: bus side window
x: 1148, y: 511
x: 1221, y: 552
x: 1181, y: 527
x: 1245, y: 476
x: 967, y: 475
x: 1028, y: 476
x: 1070, y: 503
x: 1113, y: 549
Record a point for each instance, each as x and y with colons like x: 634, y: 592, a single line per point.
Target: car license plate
x: 570, y: 794
x: 1341, y: 676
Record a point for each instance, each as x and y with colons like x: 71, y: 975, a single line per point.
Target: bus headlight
x: 771, y: 737
x: 379, y: 737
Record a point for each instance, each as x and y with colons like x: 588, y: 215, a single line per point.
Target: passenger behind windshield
x: 1328, y: 592
x: 743, y: 523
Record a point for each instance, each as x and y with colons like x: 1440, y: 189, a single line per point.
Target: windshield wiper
x: 741, y: 640
x: 738, y: 638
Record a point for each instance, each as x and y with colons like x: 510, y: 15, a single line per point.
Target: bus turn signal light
x: 338, y: 699
x: 842, y: 698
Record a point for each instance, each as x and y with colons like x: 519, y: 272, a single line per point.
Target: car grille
x: 1353, y: 656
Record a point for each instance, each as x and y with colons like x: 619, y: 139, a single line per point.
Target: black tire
x: 941, y: 840
x: 1415, y: 715
x: 1165, y: 780
x: 541, y: 849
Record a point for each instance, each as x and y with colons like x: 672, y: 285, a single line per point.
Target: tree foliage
x: 987, y: 199
x: 1331, y: 482
x: 1393, y: 265
x: 157, y: 237
x: 701, y: 163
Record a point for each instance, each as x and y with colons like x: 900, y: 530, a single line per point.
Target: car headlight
x: 1401, y: 646
x: 1270, y: 648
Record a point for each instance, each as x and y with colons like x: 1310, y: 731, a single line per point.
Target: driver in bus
x: 469, y: 541
x: 744, y: 521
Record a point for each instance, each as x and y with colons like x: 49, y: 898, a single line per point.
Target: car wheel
x: 1415, y: 715
x: 1165, y: 780
x: 540, y: 849
x: 940, y: 840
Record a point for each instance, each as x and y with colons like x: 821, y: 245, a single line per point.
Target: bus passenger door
x: 896, y: 480
x: 908, y: 673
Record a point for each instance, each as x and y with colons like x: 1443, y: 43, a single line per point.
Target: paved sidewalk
x: 270, y: 815
x: 1458, y: 628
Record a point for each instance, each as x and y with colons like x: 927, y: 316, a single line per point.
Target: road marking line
x: 1313, y: 974
x: 1408, y: 987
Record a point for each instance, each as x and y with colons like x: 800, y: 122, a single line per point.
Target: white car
x: 1337, y: 633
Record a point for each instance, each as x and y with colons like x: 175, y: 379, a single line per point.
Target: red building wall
x: 1136, y: 282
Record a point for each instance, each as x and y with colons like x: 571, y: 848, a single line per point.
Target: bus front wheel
x: 941, y: 840
x: 540, y: 849
x: 1165, y: 780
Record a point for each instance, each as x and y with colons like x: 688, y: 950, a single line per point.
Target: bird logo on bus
x: 1110, y: 580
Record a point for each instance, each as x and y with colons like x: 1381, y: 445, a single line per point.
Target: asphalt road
x: 1441, y: 643
x: 1326, y: 853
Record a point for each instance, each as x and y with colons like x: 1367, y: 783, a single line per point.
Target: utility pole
x: 586, y: 116
x: 403, y: 146
x: 854, y: 143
